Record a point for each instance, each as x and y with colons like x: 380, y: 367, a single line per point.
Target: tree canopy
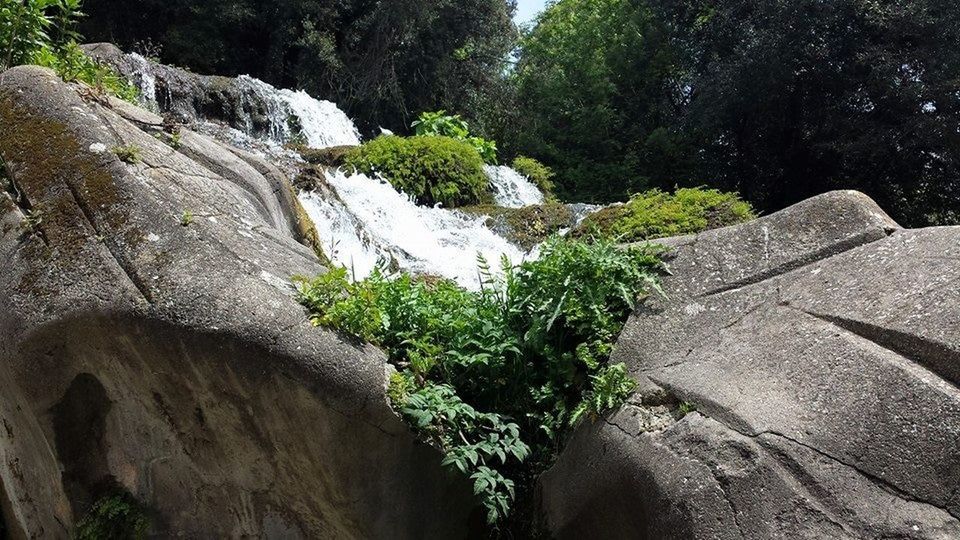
x: 384, y: 61
x: 778, y: 99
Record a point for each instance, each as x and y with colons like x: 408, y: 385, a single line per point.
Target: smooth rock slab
x: 821, y: 348
x: 170, y: 359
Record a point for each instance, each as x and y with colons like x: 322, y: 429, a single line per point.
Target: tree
x: 593, y: 90
x: 384, y: 61
x: 779, y: 99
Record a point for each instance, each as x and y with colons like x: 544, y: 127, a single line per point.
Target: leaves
x: 494, y: 378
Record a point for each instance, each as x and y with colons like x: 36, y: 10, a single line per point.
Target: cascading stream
x: 363, y: 223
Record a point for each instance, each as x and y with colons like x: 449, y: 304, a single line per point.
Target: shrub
x: 41, y: 32
x: 537, y: 172
x: 440, y: 124
x: 430, y: 169
x: 655, y: 214
x: 114, y: 517
x: 495, y: 378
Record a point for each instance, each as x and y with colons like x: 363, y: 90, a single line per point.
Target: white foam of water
x: 511, y: 189
x: 370, y: 223
x: 146, y: 82
x: 323, y: 124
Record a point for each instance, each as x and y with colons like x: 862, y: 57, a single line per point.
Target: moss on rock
x: 657, y: 214
x: 430, y: 169
x: 525, y: 227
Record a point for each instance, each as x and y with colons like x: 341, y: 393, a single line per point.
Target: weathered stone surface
x: 172, y: 360
x: 821, y: 346
x: 190, y: 97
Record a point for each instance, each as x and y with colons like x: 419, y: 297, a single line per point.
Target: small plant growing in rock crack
x: 686, y: 408
x: 127, y: 153
x: 186, y: 218
x: 495, y: 378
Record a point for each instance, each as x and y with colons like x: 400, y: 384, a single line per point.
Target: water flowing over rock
x: 253, y: 106
x: 511, y: 189
x: 364, y: 223
x: 168, y: 358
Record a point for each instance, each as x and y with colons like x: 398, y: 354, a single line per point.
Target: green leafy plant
x: 430, y: 169
x: 127, y: 153
x: 115, y: 517
x: 440, y: 124
x: 42, y: 32
x: 186, y: 218
x: 656, y: 214
x: 495, y: 377
x: 537, y: 172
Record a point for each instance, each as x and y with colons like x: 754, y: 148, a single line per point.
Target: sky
x: 528, y: 9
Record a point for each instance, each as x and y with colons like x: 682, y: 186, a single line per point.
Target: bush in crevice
x: 430, y: 169
x: 656, y: 214
x: 114, y: 517
x: 495, y: 378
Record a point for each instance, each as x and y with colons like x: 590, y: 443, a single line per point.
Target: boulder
x: 152, y: 345
x: 820, y: 349
x: 187, y: 97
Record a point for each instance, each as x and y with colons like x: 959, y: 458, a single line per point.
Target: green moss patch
x: 430, y: 169
x: 656, y: 214
x: 525, y: 227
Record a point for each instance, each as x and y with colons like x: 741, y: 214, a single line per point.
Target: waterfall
x: 244, y: 103
x: 362, y: 222
x: 511, y: 189
x: 366, y: 223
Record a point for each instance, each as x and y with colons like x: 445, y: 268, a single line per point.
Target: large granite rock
x: 821, y: 348
x: 146, y: 352
x: 240, y: 102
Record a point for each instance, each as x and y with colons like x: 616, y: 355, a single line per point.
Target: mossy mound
x: 334, y: 156
x: 536, y: 172
x: 526, y: 227
x: 432, y: 170
x: 656, y: 214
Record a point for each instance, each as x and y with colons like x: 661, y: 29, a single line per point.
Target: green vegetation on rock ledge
x: 495, y: 378
x: 115, y: 517
x: 527, y: 226
x: 440, y: 124
x: 430, y: 169
x: 655, y: 214
x: 42, y: 32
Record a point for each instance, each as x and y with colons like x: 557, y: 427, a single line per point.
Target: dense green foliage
x: 655, y: 214
x: 116, y: 517
x: 590, y: 100
x: 494, y: 378
x: 536, y: 172
x: 382, y: 61
x: 441, y: 124
x: 430, y: 169
x: 779, y: 100
x: 42, y: 32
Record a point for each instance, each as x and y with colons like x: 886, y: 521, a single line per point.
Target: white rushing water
x: 369, y: 224
x: 363, y: 223
x: 511, y: 189
x: 320, y: 122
